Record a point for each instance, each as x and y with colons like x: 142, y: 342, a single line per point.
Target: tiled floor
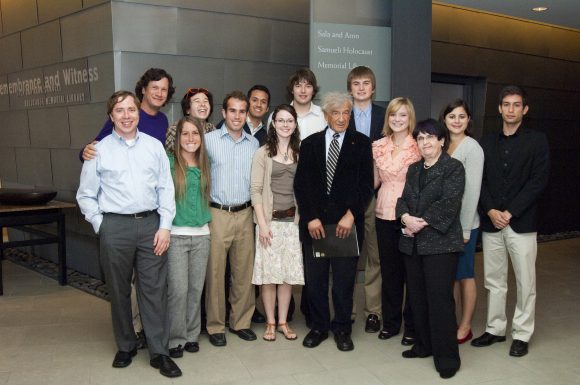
x: 59, y: 335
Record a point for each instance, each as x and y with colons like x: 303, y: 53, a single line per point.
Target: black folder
x: 332, y: 246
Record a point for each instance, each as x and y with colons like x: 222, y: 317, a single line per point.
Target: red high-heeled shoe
x: 466, y: 338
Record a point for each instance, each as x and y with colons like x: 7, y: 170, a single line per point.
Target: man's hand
x: 500, y: 219
x: 161, y: 241
x: 316, y: 229
x: 344, y: 226
x: 90, y: 151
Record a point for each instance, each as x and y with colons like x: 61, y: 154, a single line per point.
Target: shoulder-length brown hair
x: 181, y: 163
x: 272, y: 139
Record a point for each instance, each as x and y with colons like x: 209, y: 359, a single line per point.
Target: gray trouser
x: 125, y: 244
x: 187, y: 262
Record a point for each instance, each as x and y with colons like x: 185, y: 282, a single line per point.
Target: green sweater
x: 191, y: 210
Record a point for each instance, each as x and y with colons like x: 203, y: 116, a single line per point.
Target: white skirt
x: 281, y: 262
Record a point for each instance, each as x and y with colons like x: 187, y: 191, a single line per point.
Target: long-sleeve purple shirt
x: 155, y: 126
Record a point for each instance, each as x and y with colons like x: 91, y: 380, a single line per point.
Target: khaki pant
x: 233, y: 234
x: 370, y: 252
x: 522, y: 250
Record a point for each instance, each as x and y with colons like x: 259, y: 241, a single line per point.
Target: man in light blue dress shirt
x: 368, y: 118
x: 126, y: 192
x: 230, y: 150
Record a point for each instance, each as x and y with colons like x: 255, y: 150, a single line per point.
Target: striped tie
x: 331, y: 161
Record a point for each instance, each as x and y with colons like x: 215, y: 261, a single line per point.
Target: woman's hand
x: 265, y: 236
x: 414, y: 224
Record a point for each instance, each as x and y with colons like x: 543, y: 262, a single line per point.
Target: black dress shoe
x: 314, y: 338
x: 519, y: 348
x: 166, y: 366
x: 408, y: 341
x: 373, y: 324
x: 245, y: 334
x: 176, y: 352
x: 413, y: 354
x: 191, y: 347
x: 123, y: 359
x: 447, y: 373
x: 141, y: 340
x: 343, y: 341
x: 486, y: 339
x: 218, y: 339
x: 257, y: 317
x: 385, y: 334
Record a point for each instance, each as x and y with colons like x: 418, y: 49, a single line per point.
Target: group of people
x: 191, y: 207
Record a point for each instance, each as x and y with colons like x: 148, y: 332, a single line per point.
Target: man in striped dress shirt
x: 230, y: 150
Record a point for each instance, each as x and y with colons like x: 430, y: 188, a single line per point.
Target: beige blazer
x: 261, y: 184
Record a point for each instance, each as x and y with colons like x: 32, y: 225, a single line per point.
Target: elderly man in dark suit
x: 333, y: 185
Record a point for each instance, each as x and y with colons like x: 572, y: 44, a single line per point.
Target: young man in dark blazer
x: 517, y: 165
x: 368, y: 118
x: 333, y: 185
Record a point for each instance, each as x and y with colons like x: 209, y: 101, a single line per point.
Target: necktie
x: 331, y: 161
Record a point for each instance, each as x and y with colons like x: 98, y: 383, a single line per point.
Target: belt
x: 231, y: 209
x: 143, y: 214
x: 281, y: 214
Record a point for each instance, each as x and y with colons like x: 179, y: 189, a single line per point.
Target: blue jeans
x: 187, y: 263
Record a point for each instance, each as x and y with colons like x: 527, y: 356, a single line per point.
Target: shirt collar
x: 224, y: 132
x: 120, y: 139
x: 314, y: 109
x: 252, y: 128
x: 366, y: 112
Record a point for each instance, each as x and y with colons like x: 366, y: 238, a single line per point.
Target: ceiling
x: 564, y: 13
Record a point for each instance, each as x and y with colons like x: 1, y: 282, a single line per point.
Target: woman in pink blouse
x: 392, y: 156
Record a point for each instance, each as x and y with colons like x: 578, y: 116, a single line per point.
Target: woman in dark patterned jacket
x: 432, y: 240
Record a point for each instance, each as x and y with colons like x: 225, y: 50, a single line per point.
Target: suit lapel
x: 320, y: 151
x: 345, y: 150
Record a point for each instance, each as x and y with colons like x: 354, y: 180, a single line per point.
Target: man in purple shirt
x: 154, y: 89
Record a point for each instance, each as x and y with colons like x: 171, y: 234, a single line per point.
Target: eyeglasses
x: 426, y: 138
x: 284, y: 121
x: 193, y: 91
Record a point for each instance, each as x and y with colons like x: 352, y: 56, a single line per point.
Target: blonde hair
x: 181, y: 163
x: 393, y: 107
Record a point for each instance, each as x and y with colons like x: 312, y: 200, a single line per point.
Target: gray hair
x: 334, y: 100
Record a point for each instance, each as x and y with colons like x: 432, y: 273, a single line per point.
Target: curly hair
x: 153, y: 75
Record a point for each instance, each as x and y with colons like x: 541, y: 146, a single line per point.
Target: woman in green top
x: 189, y: 248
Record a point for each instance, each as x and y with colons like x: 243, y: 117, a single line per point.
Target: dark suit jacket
x: 438, y: 203
x: 352, y: 186
x: 260, y: 135
x: 516, y: 188
x: 377, y: 122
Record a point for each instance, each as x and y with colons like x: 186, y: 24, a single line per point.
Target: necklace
x: 427, y: 167
x: 284, y: 155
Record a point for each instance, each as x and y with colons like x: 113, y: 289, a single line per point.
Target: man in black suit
x: 516, y: 170
x: 333, y: 185
x: 368, y: 118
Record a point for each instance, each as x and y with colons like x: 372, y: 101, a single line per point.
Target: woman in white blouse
x: 463, y: 147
